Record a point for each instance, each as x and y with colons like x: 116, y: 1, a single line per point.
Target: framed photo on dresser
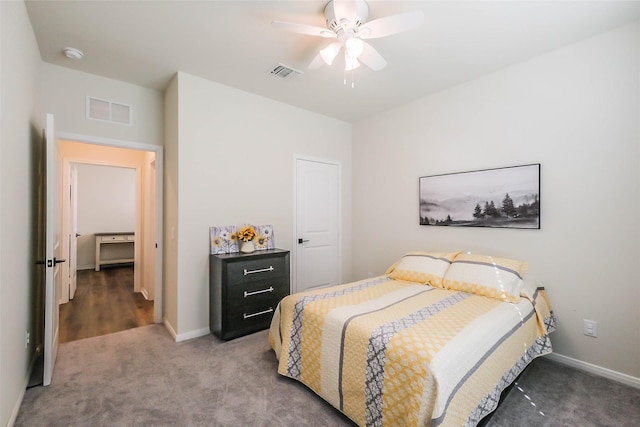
x: 223, y: 240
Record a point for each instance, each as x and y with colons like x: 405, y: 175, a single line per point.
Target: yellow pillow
x: 494, y: 277
x: 422, y: 267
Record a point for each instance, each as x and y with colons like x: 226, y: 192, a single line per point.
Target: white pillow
x: 494, y: 277
x: 422, y: 267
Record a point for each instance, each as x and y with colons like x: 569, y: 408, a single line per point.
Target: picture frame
x: 264, y: 237
x: 223, y: 240
x: 507, y: 197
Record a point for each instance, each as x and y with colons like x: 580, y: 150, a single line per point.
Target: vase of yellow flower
x: 247, y: 247
x: 246, y: 235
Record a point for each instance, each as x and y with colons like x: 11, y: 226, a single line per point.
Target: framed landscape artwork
x: 504, y: 197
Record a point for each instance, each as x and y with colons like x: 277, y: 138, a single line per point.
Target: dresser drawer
x: 249, y: 319
x: 257, y: 292
x: 257, y: 269
x: 119, y: 238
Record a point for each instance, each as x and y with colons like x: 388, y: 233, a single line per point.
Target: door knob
x: 50, y: 263
x: 301, y: 241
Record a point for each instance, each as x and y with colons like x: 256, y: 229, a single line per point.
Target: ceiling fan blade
x: 316, y: 63
x: 371, y: 58
x: 304, y: 29
x: 390, y: 25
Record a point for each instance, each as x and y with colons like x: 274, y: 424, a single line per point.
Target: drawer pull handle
x: 261, y: 291
x: 260, y: 270
x: 246, y: 316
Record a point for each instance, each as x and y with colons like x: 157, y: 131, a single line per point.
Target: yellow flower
x: 246, y: 233
x: 233, y: 237
x: 261, y: 241
x: 217, y: 241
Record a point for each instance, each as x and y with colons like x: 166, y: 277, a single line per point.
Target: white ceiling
x: 233, y: 42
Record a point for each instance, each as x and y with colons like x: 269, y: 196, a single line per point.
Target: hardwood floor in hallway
x: 104, y: 303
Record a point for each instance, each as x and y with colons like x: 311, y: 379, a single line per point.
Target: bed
x: 432, y: 342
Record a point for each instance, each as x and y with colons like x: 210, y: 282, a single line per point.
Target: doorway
x: 144, y: 163
x: 100, y: 296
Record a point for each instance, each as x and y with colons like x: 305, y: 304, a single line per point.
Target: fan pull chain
x: 344, y: 81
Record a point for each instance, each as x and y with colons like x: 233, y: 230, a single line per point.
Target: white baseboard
x: 144, y: 293
x: 172, y: 331
x: 16, y: 408
x: 193, y: 334
x: 23, y: 390
x: 596, y: 370
x: 187, y: 335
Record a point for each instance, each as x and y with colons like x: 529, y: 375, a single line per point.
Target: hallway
x: 104, y: 303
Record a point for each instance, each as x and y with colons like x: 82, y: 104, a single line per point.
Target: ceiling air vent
x: 108, y: 111
x: 284, y: 71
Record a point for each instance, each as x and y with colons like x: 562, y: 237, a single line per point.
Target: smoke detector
x: 72, y: 53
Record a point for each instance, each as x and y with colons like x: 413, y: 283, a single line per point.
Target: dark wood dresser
x: 244, y: 290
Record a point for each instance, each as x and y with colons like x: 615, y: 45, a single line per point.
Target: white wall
x: 64, y: 93
x: 21, y: 124
x: 235, y: 155
x: 106, y: 204
x: 576, y: 112
x: 106, y: 198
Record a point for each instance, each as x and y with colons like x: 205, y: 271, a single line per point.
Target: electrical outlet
x: 591, y: 328
x: 27, y: 339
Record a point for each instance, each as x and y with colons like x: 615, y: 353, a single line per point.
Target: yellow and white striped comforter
x: 394, y: 353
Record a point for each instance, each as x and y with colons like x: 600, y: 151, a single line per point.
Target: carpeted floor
x: 141, y: 377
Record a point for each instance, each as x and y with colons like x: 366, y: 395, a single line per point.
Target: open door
x: 51, y: 308
x: 73, y: 230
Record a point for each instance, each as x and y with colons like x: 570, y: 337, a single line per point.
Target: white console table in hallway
x: 112, y: 238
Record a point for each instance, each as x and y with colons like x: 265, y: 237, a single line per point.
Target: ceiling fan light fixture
x: 354, y: 47
x: 351, y: 63
x: 329, y: 53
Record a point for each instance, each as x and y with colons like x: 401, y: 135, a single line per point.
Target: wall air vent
x: 109, y: 111
x: 284, y: 71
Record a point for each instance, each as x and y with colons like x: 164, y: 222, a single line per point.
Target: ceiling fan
x: 347, y: 23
